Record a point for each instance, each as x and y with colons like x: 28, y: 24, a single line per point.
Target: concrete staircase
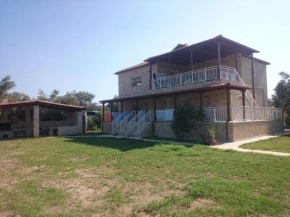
x: 136, y: 125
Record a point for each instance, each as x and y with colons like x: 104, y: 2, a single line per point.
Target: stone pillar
x: 4, y: 115
x: 36, y: 121
x: 86, y: 121
x: 27, y: 114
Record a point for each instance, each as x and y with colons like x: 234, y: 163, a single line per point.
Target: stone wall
x: 107, y: 127
x: 75, y: 120
x: 68, y: 130
x: 236, y: 130
x: 244, y: 130
x: 244, y: 68
x: 163, y: 129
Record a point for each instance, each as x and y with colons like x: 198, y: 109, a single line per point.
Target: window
x: 137, y: 81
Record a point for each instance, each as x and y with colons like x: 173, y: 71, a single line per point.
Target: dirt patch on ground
x: 79, y: 158
x: 92, y: 184
x: 201, y: 202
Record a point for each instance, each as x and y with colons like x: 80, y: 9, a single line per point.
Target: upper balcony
x: 195, y: 76
x: 202, y: 64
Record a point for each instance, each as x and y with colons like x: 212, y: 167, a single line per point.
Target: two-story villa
x: 219, y: 75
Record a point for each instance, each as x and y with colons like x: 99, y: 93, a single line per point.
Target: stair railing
x: 134, y: 120
x: 125, y: 121
x: 116, y: 122
x: 145, y: 120
x: 248, y: 93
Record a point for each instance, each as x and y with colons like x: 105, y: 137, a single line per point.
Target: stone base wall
x: 69, y: 130
x: 163, y: 129
x: 236, y: 130
x: 244, y: 130
x: 6, y: 133
x: 107, y: 127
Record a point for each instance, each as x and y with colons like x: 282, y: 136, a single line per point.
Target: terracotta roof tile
x: 42, y: 104
x: 133, y: 67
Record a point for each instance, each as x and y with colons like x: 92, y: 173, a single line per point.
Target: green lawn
x: 121, y: 177
x: 170, y: 139
x: 278, y: 144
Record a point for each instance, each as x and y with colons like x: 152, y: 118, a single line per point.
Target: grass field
x: 118, y: 177
x: 278, y: 144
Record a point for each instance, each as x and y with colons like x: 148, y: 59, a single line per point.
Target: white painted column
x: 36, y: 121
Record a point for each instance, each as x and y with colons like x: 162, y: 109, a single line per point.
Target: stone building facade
x: 216, y: 75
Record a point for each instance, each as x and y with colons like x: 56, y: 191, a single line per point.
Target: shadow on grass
x: 121, y: 144
x: 113, y: 143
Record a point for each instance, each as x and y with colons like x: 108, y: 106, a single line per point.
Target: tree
x: 184, y: 117
x: 17, y: 96
x: 17, y: 113
x: 281, y: 98
x: 5, y: 85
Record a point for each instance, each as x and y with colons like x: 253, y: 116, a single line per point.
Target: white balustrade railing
x: 133, y: 122
x: 215, y: 113
x: 145, y: 120
x: 124, y: 123
x: 199, y: 75
x: 251, y: 113
x: 117, y: 120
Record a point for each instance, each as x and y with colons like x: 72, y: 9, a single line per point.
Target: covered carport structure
x: 75, y: 121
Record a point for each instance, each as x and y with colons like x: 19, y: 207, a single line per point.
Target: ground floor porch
x: 227, y: 108
x: 225, y: 131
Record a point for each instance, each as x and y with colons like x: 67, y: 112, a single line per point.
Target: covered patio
x: 65, y: 119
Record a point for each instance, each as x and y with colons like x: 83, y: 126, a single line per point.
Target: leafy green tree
x: 17, y: 96
x: 5, y: 85
x: 94, y: 123
x: 17, y: 113
x: 281, y: 98
x: 184, y: 117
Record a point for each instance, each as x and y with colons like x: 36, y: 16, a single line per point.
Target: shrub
x: 209, y: 137
x: 287, y: 120
x: 184, y: 117
x: 94, y: 123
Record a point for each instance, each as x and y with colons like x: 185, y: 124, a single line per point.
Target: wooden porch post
x: 122, y: 107
x: 111, y: 108
x: 136, y: 105
x: 253, y: 81
x: 228, y: 105
x: 175, y: 103
x: 228, y: 112
x: 103, y: 111
x: 200, y: 99
x: 154, y: 118
x: 219, y: 59
x: 236, y: 58
x: 191, y: 60
x: 244, y: 104
x: 150, y: 78
x: 169, y: 61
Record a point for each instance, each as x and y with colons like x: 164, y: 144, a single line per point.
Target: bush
x: 208, y: 137
x: 94, y: 123
x: 287, y: 120
x: 184, y: 117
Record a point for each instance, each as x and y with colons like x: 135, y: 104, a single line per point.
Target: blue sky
x: 79, y: 44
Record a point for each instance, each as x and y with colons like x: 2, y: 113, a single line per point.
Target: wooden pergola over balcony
x: 214, y: 48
